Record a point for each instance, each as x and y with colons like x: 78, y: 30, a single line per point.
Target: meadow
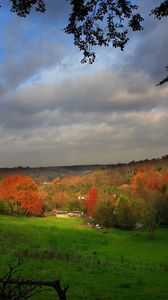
x: 98, y: 264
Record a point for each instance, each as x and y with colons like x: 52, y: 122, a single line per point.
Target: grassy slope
x: 106, y: 265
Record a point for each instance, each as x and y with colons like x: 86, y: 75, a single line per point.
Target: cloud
x: 149, y: 53
x: 114, y: 120
x: 55, y: 111
x: 103, y: 92
x: 132, y: 134
x: 26, y: 53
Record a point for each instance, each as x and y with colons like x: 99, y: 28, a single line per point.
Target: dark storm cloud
x: 150, y: 53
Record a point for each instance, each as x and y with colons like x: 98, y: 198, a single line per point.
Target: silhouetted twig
x: 12, y: 287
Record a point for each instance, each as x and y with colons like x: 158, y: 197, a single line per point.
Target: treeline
x: 118, y: 197
x: 61, y: 171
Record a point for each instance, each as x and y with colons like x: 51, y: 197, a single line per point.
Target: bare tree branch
x: 12, y: 287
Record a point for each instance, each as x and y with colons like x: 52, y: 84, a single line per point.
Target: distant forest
x: 51, y: 172
x: 121, y: 195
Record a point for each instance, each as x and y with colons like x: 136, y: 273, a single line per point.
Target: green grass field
x: 98, y: 264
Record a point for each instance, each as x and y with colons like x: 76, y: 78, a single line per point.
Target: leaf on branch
x: 101, y: 23
x: 161, y: 11
x: 23, y: 7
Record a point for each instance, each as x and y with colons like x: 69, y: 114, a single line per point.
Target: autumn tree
x: 22, y: 194
x: 90, y: 201
x: 150, y: 178
x: 142, y: 179
x: 59, y: 195
x: 61, y: 199
x: 151, y: 185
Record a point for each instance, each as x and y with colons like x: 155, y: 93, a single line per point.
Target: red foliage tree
x: 91, y: 199
x: 21, y: 191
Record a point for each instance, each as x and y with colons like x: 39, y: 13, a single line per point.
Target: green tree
x: 104, y: 214
x: 161, y: 207
x: 150, y: 222
x: 125, y: 217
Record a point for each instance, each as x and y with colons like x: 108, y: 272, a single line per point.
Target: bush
x: 4, y: 207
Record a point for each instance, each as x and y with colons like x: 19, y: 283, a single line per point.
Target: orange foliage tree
x: 21, y: 192
x: 150, y: 178
x: 91, y: 199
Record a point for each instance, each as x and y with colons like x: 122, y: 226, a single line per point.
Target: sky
x: 56, y: 111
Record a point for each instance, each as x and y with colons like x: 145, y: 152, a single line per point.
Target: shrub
x: 4, y: 207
